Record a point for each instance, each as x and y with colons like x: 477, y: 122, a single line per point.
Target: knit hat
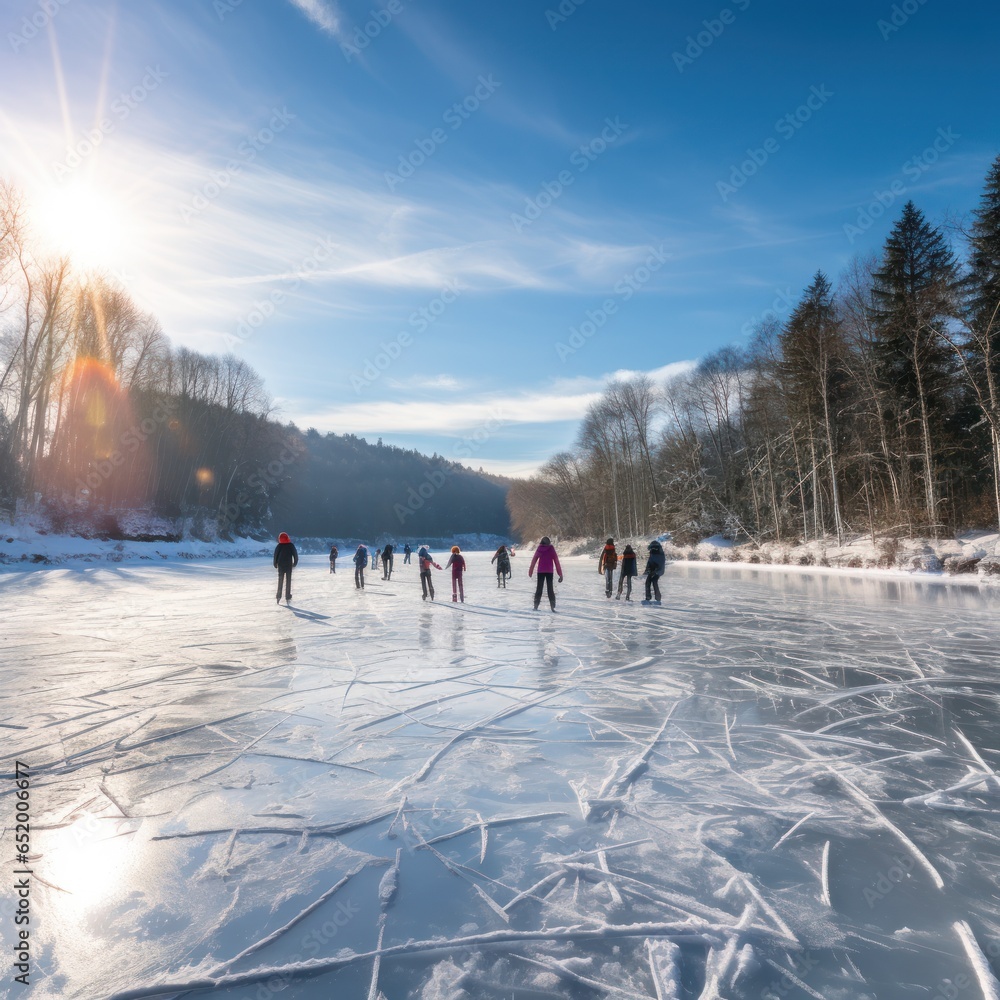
x: 283, y: 538
x: 455, y: 549
x: 610, y: 541
x: 545, y: 540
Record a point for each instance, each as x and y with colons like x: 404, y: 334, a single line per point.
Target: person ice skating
x: 376, y: 551
x: 546, y: 559
x: 502, y: 560
x: 425, y: 562
x: 387, y: 563
x: 628, y: 570
x: 607, y: 563
x: 656, y: 566
x: 286, y: 558
x: 360, y: 562
x: 407, y: 551
x: 333, y: 558
x: 457, y: 563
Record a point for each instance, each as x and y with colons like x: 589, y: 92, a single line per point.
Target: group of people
x: 656, y: 565
x: 545, y: 560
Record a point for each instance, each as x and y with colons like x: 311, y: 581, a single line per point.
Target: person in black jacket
x: 656, y: 566
x: 334, y: 552
x: 286, y: 558
x: 360, y: 562
x: 387, y: 562
x: 629, y: 569
x: 407, y: 552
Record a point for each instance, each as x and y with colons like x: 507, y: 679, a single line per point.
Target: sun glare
x: 84, y: 222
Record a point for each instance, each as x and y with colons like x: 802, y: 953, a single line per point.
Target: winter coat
x: 334, y: 553
x: 609, y: 559
x: 457, y: 564
x: 407, y: 550
x: 629, y: 567
x: 361, y: 558
x: 547, y: 560
x: 285, y: 555
x: 426, y: 561
x: 502, y: 560
x: 656, y: 564
x: 387, y: 553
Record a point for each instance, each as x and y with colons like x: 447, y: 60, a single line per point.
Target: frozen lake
x: 776, y: 784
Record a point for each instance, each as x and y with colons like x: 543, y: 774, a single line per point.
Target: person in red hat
x: 457, y: 564
x: 286, y: 558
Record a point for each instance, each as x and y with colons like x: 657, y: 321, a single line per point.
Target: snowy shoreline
x: 28, y: 546
x: 973, y: 557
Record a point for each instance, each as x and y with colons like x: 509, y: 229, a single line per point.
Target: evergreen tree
x: 811, y: 378
x: 984, y: 260
x: 915, y: 294
x: 981, y: 355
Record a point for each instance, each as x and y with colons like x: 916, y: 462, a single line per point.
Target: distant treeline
x: 100, y: 414
x: 874, y: 407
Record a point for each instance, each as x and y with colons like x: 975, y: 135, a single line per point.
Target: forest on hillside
x: 100, y: 415
x: 874, y: 408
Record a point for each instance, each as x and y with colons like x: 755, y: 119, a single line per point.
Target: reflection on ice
x: 777, y: 784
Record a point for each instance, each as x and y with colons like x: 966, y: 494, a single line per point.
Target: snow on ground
x: 31, y: 541
x: 773, y: 785
x: 973, y: 554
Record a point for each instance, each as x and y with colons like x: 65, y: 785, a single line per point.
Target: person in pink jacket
x: 547, y: 560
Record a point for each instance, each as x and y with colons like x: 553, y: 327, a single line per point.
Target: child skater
x: 606, y: 565
x: 502, y: 560
x: 425, y: 560
x: 628, y: 562
x: 457, y: 564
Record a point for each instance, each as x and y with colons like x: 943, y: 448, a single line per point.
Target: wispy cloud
x: 321, y: 13
x: 559, y: 401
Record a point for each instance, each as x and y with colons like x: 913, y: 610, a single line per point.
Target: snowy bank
x: 33, y: 540
x: 973, y: 555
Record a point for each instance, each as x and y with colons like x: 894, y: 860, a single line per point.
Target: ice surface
x: 773, y: 785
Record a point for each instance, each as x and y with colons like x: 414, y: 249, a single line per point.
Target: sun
x: 83, y: 221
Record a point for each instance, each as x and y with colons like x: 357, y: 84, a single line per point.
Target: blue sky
x: 490, y: 208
